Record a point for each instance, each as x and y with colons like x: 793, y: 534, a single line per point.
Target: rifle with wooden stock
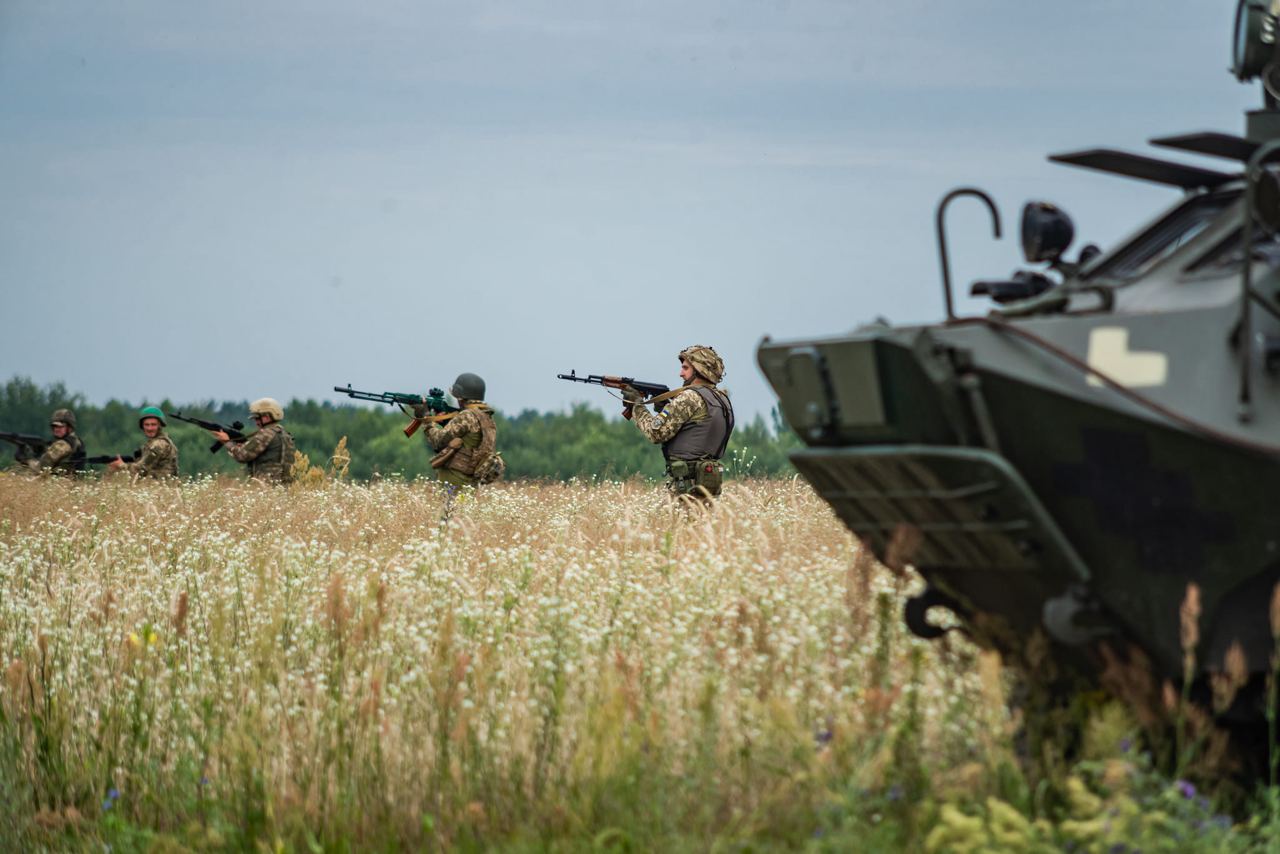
x: 655, y: 393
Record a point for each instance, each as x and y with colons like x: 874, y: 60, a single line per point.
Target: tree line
x: 582, y: 442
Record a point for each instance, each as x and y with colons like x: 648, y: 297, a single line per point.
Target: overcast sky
x: 239, y: 199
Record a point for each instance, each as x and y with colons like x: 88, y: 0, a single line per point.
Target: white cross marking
x: 1109, y: 353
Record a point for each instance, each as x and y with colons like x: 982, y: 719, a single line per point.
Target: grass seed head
x: 1189, y: 618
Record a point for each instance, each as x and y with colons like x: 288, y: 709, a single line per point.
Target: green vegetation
x: 564, y: 666
x: 581, y: 443
x: 215, y: 665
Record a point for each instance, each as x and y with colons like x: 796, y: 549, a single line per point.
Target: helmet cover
x: 267, y: 406
x: 63, y: 416
x: 705, y: 362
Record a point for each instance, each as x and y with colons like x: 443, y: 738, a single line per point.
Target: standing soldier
x: 65, y: 454
x: 466, y: 445
x: 693, y: 428
x: 158, y: 457
x: 268, y: 451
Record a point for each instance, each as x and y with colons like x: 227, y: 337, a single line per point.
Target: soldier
x: 693, y: 428
x: 65, y: 454
x: 158, y: 457
x: 466, y: 444
x: 268, y: 451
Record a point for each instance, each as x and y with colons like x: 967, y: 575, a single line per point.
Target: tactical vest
x: 276, y: 460
x: 475, y: 450
x: 170, y: 467
x: 707, y: 437
x: 73, y: 462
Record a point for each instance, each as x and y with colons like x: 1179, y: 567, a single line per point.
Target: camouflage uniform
x: 465, y: 445
x: 64, y: 457
x: 693, y: 428
x: 268, y: 452
x: 692, y: 467
x: 158, y: 458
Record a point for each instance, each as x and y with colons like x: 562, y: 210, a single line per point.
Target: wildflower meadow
x: 215, y: 665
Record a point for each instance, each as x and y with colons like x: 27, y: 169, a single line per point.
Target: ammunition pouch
x: 703, y: 477
x: 442, y: 457
x: 492, y: 469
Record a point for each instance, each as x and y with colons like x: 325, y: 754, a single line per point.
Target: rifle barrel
x: 23, y: 438
x: 103, y: 459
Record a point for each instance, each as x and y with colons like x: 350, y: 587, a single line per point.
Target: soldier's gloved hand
x: 630, y: 395
x: 421, y: 411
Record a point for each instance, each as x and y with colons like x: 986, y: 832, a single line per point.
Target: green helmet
x: 468, y: 387
x: 63, y: 416
x: 151, y: 412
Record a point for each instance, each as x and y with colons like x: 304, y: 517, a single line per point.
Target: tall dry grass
x: 222, y: 665
x: 335, y: 662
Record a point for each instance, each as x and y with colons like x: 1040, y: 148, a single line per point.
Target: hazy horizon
x: 236, y: 200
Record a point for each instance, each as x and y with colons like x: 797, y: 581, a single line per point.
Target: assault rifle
x: 28, y: 446
x: 433, y: 402
x: 234, y: 431
x: 653, y: 391
x: 107, y: 459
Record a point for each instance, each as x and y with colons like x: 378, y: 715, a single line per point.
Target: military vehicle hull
x: 1066, y: 471
x: 1033, y: 497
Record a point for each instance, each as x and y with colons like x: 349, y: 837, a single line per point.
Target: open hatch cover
x: 1212, y: 143
x: 1145, y: 168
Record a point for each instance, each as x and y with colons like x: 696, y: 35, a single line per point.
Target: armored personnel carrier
x: 1060, y: 469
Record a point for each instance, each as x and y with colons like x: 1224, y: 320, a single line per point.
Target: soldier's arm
x: 57, y: 451
x: 663, y: 426
x: 249, y: 449
x: 439, y: 435
x: 153, y: 454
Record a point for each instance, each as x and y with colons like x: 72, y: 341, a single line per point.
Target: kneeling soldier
x: 693, y: 428
x: 466, y: 444
x: 268, y: 451
x: 158, y: 456
x: 65, y: 454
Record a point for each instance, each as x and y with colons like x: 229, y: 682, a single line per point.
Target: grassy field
x: 576, y: 666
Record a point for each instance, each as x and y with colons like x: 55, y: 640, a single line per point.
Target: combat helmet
x: 151, y: 412
x: 705, y: 361
x: 468, y: 387
x: 63, y: 416
x: 267, y: 406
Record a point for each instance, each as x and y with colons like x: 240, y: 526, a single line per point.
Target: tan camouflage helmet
x: 63, y: 416
x: 267, y: 406
x: 705, y: 361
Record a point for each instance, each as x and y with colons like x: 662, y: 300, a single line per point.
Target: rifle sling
x: 665, y: 396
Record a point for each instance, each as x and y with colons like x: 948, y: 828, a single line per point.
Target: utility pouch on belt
x: 446, y: 453
x: 695, y: 476
x: 709, y: 475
